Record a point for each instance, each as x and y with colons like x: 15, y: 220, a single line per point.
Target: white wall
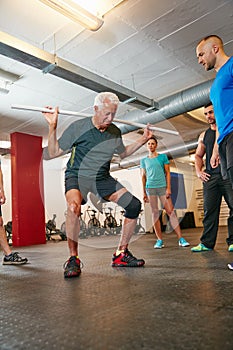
x: 6, y: 170
x: 54, y: 190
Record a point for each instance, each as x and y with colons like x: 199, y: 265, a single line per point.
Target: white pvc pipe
x: 45, y: 110
x: 79, y: 114
x: 143, y: 126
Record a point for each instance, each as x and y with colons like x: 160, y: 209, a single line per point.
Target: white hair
x: 102, y: 96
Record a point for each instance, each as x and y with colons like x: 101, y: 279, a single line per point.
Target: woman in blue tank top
x: 156, y: 181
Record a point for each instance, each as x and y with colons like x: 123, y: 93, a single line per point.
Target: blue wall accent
x: 178, y: 191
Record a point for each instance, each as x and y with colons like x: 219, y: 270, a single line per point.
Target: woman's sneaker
x: 183, y: 242
x: 159, y: 244
x: 14, y: 259
x: 72, y: 267
x: 126, y: 259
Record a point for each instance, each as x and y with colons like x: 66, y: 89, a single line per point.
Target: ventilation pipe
x: 171, y: 106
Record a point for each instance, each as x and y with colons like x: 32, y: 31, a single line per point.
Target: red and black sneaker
x: 126, y: 259
x: 72, y: 267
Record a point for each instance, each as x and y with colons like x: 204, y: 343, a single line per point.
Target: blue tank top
x: 154, y: 167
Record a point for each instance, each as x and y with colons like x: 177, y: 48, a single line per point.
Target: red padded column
x: 28, y: 217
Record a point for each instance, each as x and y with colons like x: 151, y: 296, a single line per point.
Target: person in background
x: 211, y: 55
x: 156, y: 182
x: 214, y: 188
x: 9, y: 257
x: 94, y: 141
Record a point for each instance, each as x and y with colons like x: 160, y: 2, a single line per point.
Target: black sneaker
x: 14, y: 259
x: 126, y: 259
x: 72, y: 267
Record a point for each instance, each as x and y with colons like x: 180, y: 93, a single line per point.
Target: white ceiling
x: 147, y: 46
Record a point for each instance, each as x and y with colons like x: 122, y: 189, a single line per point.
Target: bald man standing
x: 211, y: 55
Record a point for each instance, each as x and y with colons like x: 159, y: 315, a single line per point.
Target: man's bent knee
x: 131, y: 204
x: 74, y: 208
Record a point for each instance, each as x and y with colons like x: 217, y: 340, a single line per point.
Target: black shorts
x: 0, y: 210
x: 101, y: 188
x: 226, y: 154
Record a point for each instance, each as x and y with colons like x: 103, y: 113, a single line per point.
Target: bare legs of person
x: 72, y: 267
x: 122, y: 257
x: 128, y: 228
x: 168, y: 206
x: 9, y: 257
x: 3, y: 240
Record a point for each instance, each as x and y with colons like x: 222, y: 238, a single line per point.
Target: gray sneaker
x: 14, y: 259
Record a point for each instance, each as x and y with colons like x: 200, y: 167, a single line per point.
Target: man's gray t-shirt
x: 91, y: 149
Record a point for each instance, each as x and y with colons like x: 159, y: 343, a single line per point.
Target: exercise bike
x: 139, y: 229
x: 93, y: 225
x: 110, y: 223
x: 52, y: 233
x: 8, y: 230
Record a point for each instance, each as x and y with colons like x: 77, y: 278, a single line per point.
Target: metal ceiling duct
x: 181, y: 102
x: 169, y: 107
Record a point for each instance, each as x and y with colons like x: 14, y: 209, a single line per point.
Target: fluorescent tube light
x: 8, y: 76
x: 4, y: 91
x: 5, y: 144
x: 76, y: 13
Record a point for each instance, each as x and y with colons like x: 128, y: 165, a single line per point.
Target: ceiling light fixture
x: 4, y: 91
x: 5, y: 144
x: 6, y: 79
x: 8, y: 76
x: 76, y: 13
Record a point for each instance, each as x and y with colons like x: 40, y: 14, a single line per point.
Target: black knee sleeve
x: 131, y: 204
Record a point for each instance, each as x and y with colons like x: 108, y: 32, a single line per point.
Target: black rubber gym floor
x: 179, y: 300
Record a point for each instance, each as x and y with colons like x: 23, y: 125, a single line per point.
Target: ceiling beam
x: 51, y: 64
